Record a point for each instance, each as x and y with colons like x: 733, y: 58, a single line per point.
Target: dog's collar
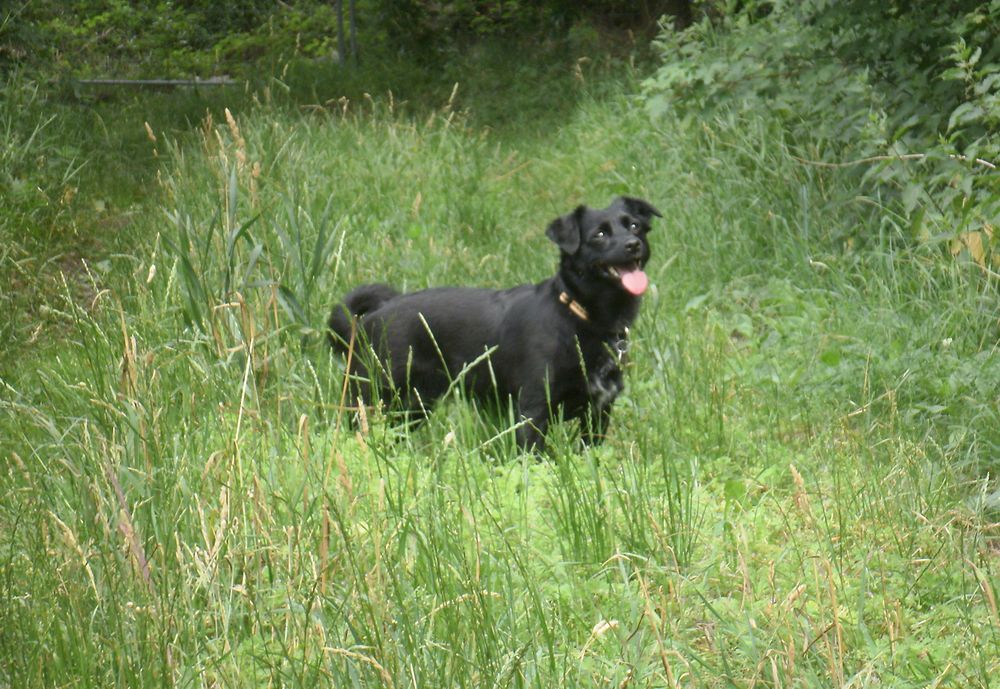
x: 619, y: 341
x: 576, y: 307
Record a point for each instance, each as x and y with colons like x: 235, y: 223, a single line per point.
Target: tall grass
x: 781, y: 502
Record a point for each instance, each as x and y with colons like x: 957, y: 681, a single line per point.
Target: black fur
x: 543, y: 356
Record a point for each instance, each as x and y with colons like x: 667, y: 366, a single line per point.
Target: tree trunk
x: 354, y: 35
x: 340, y: 32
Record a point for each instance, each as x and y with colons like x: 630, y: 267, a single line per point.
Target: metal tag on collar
x: 621, y: 345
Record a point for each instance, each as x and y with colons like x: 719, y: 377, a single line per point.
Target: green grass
x: 797, y: 491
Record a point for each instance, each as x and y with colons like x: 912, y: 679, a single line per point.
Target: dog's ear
x: 643, y: 209
x: 565, y: 231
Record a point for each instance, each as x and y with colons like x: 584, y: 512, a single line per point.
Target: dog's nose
x: 633, y: 246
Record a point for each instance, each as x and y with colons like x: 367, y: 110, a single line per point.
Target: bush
x: 163, y: 39
x: 909, y: 93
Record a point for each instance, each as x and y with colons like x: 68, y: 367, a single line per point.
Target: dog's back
x: 358, y: 302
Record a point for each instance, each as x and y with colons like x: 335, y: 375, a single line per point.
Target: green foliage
x: 906, y: 93
x: 426, y: 25
x: 752, y: 63
x: 117, y: 38
x: 122, y: 39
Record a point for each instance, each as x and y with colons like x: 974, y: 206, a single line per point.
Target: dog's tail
x: 357, y: 303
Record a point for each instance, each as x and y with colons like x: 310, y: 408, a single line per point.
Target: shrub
x: 905, y: 93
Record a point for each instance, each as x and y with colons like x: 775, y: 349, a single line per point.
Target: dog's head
x: 608, y: 244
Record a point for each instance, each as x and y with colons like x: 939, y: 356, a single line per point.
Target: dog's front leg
x: 531, y: 433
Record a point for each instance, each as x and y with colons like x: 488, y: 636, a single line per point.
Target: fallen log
x: 211, y: 81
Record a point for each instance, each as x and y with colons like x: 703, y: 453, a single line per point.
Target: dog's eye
x: 629, y: 224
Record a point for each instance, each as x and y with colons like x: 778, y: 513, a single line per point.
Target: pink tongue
x: 635, y: 281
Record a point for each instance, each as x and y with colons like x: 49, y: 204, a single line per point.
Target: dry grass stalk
x: 343, y: 652
x: 324, y: 550
x: 125, y: 525
x: 71, y: 540
x: 304, y: 452
x: 837, y: 649
x: 653, y: 618
x: 129, y: 374
x: 801, y: 497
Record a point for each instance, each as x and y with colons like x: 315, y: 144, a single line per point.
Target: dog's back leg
x: 419, y: 388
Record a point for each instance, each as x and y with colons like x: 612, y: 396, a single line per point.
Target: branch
x: 901, y: 156
x: 211, y: 81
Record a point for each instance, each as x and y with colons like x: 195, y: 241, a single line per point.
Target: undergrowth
x: 798, y: 489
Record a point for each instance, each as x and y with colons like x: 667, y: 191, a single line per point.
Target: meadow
x: 798, y: 489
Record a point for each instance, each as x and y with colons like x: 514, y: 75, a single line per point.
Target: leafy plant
x: 857, y: 88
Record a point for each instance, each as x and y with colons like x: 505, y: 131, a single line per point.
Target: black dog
x: 555, y: 346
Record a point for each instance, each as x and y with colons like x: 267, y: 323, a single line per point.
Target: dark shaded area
x: 202, y: 37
